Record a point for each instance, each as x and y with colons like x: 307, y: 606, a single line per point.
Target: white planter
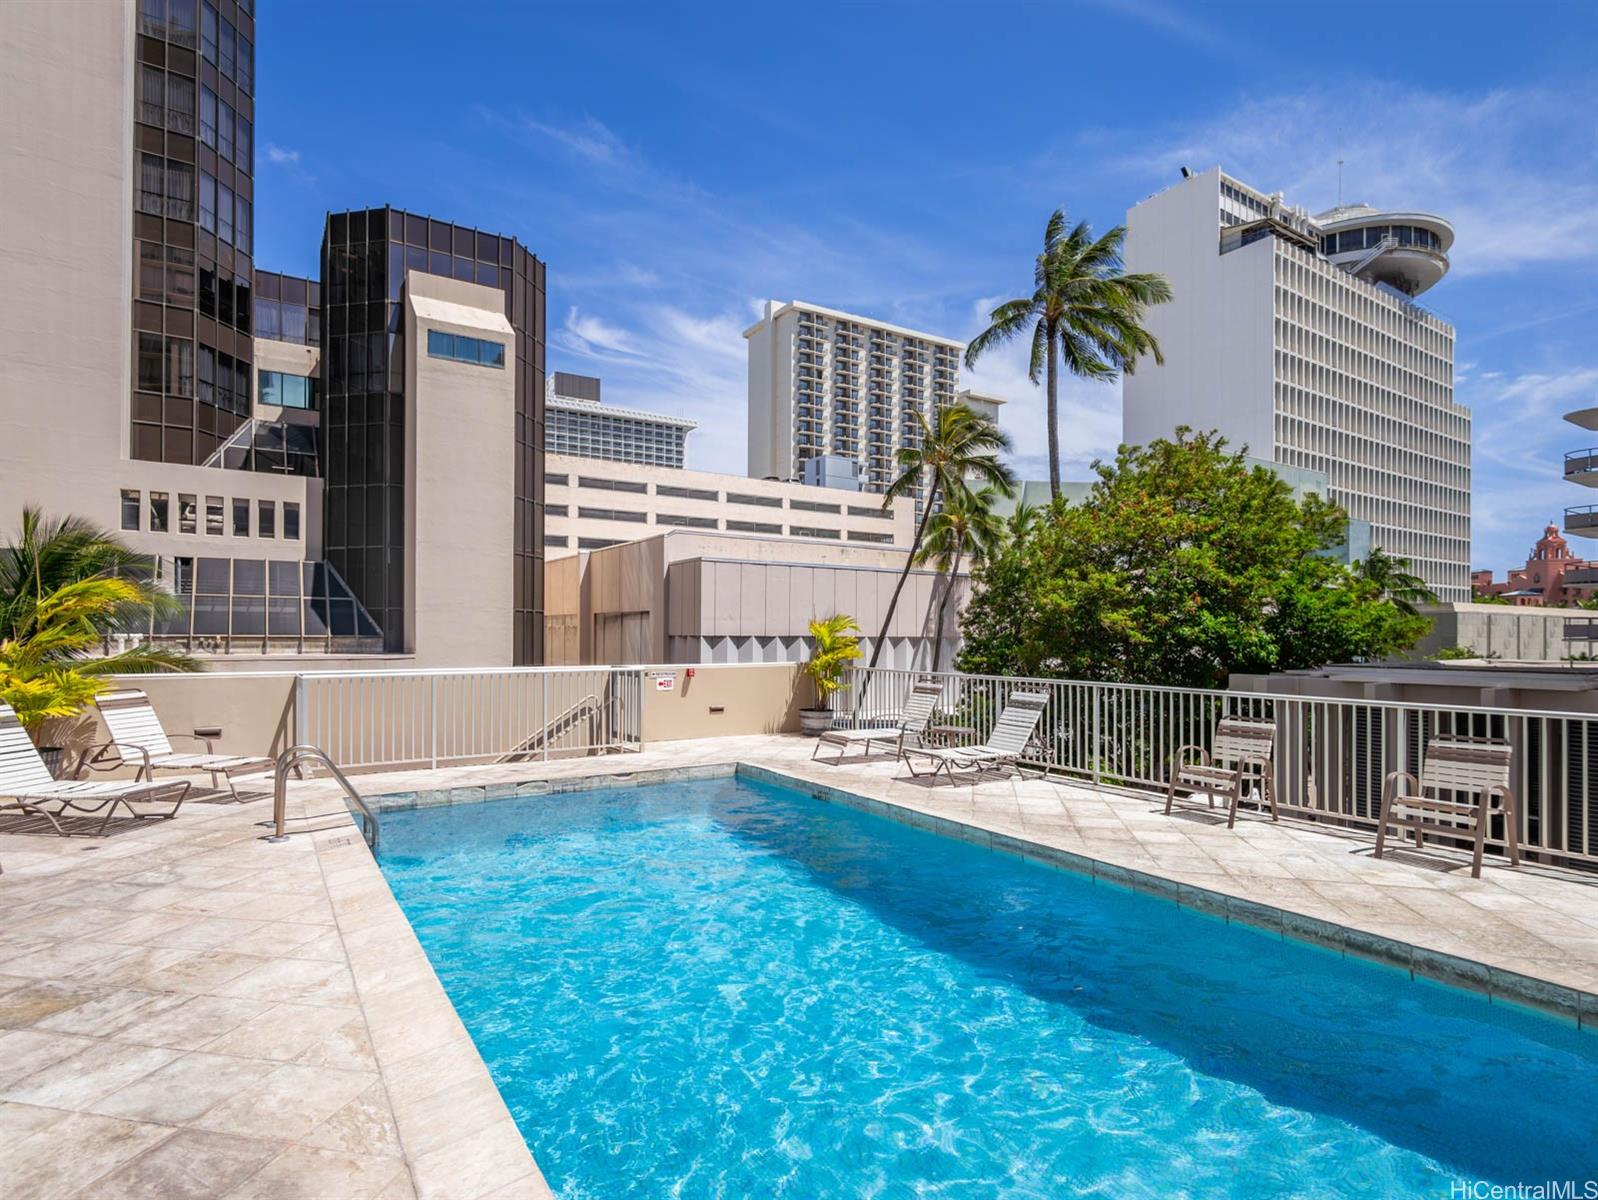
x: 813, y: 721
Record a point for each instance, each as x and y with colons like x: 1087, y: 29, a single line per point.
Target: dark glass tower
x: 193, y: 227
x: 365, y: 258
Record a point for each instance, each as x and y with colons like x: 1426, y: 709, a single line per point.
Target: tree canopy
x: 1183, y: 565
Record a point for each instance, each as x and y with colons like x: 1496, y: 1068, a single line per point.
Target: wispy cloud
x: 1172, y: 20
x: 282, y: 155
x: 588, y: 138
x: 1509, y: 168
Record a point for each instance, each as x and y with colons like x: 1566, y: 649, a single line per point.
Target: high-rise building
x: 823, y: 382
x: 1298, y: 337
x: 335, y: 465
x: 576, y: 423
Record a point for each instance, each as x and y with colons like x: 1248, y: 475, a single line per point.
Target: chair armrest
x: 1394, y: 777
x: 98, y: 752
x: 193, y: 737
x: 1178, y: 759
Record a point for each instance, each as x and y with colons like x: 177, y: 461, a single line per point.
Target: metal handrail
x: 587, y: 706
x: 293, y: 757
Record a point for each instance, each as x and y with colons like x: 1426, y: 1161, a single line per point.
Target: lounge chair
x: 912, y: 726
x: 1243, y: 752
x: 1003, y: 749
x: 30, y: 788
x: 137, y: 738
x: 1463, y: 782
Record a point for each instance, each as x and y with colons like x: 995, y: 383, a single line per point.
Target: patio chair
x: 1244, y: 751
x: 30, y: 788
x: 1003, y: 749
x: 138, y: 738
x: 912, y: 726
x: 1463, y: 782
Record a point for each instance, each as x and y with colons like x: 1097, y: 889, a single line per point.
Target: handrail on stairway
x: 293, y: 757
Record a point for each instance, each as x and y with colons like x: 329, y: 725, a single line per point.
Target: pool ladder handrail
x: 291, y: 759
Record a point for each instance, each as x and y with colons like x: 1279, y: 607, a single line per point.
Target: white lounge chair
x: 912, y: 726
x: 137, y: 738
x: 1463, y: 782
x: 1004, y: 747
x: 30, y: 788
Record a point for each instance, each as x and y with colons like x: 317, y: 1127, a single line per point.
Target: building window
x: 592, y: 543
x: 457, y: 347
x: 812, y: 506
x: 612, y: 514
x: 208, y: 33
x: 130, y: 509
x: 686, y: 493
x: 288, y: 391
x: 747, y: 498
x: 213, y: 516
x: 208, y: 103
x: 555, y: 481
x: 291, y: 521
x: 266, y: 519
x: 685, y: 522
x: 556, y: 510
x: 752, y: 527
x: 884, y: 514
x: 611, y: 485
x: 188, y: 513
x: 806, y: 531
x: 151, y: 352
x: 860, y: 535
x: 158, y: 512
x: 557, y: 539
x: 241, y: 518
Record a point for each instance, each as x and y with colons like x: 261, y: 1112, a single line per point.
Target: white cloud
x: 1510, y: 169
x: 589, y: 138
x: 282, y: 155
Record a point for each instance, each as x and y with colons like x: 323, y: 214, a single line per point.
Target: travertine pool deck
x: 187, y: 1010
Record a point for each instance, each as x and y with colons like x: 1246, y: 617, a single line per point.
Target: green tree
x: 1183, y: 565
x: 965, y: 527
x: 1394, y: 581
x: 46, y: 556
x: 961, y: 446
x: 1084, y: 310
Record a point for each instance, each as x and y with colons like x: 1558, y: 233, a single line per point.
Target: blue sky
x: 677, y: 164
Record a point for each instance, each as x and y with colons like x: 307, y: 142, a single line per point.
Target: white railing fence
x: 1332, y: 755
x: 367, y: 720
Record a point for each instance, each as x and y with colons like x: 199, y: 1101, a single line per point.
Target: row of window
x: 224, y: 381
x: 166, y: 101
x: 682, y: 521
x: 564, y: 541
x: 225, y: 213
x: 1372, y: 236
x: 215, y: 515
x: 639, y: 488
x: 457, y: 347
x: 225, y: 300
x: 229, y: 51
x: 288, y: 391
x: 166, y: 187
x: 285, y: 321
x: 224, y: 130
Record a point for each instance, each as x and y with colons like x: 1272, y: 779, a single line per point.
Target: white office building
x: 1298, y: 337
x: 577, y: 423
x: 823, y: 382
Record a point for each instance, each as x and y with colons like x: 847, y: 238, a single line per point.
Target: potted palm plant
x: 836, y: 648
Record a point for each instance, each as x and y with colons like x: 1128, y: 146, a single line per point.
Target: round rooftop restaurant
x: 1407, y: 251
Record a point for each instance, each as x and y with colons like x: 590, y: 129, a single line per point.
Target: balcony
x: 1583, y: 520
x: 1581, y: 466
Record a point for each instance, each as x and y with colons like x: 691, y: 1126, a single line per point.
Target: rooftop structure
x: 577, y: 423
x: 1297, y: 337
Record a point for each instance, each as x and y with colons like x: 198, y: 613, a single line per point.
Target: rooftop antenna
x: 1339, y: 183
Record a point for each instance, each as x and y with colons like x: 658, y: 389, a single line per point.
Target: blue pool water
x: 726, y: 989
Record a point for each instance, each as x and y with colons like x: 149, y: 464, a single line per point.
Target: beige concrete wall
x: 461, y: 449
x: 566, y: 637
x: 1506, y: 632
x: 66, y: 257
x: 899, y: 525
x: 763, y: 698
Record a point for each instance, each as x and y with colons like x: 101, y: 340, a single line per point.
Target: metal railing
x: 292, y: 759
x: 1332, y: 755
x: 371, y: 720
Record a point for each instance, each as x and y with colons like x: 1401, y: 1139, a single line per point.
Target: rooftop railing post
x: 1097, y: 712
x: 432, y: 721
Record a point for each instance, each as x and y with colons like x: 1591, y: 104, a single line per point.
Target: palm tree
x: 961, y: 445
x: 965, y: 525
x: 46, y: 559
x: 1084, y: 308
x: 1393, y: 581
x: 837, y: 647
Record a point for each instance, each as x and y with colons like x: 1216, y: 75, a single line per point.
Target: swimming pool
x: 723, y: 988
